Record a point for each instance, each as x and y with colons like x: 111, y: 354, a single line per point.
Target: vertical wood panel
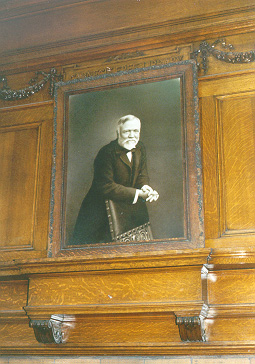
x: 228, y: 146
x: 237, y: 134
x: 25, y: 162
x: 18, y: 181
x: 210, y: 164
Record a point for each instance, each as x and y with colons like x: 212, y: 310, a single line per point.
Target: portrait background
x: 92, y: 123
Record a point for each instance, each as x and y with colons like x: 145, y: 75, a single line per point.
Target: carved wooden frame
x: 193, y: 199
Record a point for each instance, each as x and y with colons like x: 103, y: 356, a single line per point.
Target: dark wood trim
x: 101, y: 45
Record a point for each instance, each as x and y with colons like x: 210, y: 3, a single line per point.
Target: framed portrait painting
x: 126, y: 171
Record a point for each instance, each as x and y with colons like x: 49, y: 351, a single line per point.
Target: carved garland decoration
x: 200, y: 56
x: 205, y: 50
x: 35, y: 85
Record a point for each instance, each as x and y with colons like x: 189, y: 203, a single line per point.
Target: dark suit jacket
x: 115, y: 178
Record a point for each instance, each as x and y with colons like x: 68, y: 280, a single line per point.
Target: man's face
x: 129, y: 134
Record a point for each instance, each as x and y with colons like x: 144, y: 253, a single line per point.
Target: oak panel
x: 161, y: 285
x: 237, y: 154
x: 230, y: 287
x: 61, y: 33
x: 18, y: 184
x: 91, y: 18
x: 123, y: 330
x: 13, y: 295
x: 228, y: 160
x: 17, y: 334
x: 25, y: 154
x: 230, y: 330
x: 210, y: 165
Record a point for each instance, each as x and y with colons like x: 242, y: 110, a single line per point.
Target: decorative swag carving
x: 205, y: 50
x: 200, y: 55
x: 35, y: 85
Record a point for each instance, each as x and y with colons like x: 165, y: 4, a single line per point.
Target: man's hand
x: 148, y: 194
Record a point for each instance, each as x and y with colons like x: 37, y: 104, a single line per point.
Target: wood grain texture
x: 239, y: 43
x: 25, y: 135
x: 162, y: 285
x: 18, y: 184
x: 13, y: 295
x: 16, y: 334
x: 46, y: 32
x: 145, y: 289
x: 237, y: 152
x: 210, y: 167
x: 228, y: 152
x: 226, y: 330
x: 119, y: 330
x: 230, y: 287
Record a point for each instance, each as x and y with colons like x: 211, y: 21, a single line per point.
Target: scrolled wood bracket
x: 205, y: 50
x: 191, y: 328
x: 54, y: 330
x: 35, y: 85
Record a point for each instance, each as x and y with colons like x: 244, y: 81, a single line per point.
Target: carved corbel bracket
x: 191, y: 328
x: 54, y: 330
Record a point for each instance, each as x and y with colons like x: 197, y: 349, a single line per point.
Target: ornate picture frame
x: 87, y: 111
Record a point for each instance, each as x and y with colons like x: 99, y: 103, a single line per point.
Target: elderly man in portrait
x: 121, y: 178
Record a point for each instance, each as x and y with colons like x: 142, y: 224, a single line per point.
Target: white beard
x: 130, y: 144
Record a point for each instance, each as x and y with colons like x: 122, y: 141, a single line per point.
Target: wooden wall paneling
x: 104, y: 300
x: 126, y: 60
x: 124, y: 287
x: 235, y: 330
x: 134, y: 323
x: 136, y: 330
x: 228, y: 152
x: 14, y: 324
x: 237, y: 152
x: 16, y: 334
x: 26, y: 144
x: 231, y: 301
x: 231, y: 287
x: 13, y: 295
x: 19, y: 81
x: 20, y: 147
x: 210, y: 167
x: 240, y: 43
x: 128, y: 306
x: 45, y: 34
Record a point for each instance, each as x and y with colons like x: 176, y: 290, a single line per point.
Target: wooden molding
x: 157, y: 319
x: 101, y: 42
x: 179, y: 308
x: 179, y: 258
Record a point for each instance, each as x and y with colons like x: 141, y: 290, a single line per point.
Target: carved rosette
x: 53, y: 331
